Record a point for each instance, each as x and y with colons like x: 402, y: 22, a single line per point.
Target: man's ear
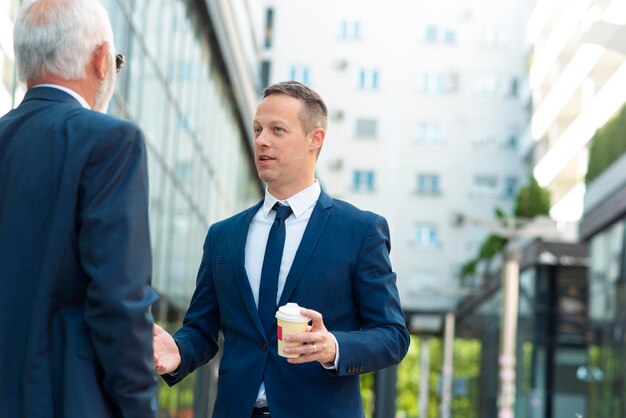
x: 317, y: 139
x: 100, y: 60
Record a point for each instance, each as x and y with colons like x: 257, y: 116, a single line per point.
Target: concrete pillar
x: 446, y: 375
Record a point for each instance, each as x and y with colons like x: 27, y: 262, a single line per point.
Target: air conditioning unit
x: 336, y: 164
x: 341, y: 65
x: 338, y: 115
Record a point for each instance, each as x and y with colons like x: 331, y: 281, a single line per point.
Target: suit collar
x: 325, y: 200
x: 80, y: 99
x: 50, y: 94
x: 299, y: 203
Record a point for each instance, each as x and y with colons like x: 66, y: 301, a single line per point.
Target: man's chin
x: 265, y: 175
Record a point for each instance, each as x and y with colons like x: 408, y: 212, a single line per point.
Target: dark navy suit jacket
x: 342, y: 270
x: 75, y: 266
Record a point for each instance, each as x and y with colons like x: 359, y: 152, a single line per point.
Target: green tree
x: 607, y: 145
x: 466, y: 366
x: 532, y: 200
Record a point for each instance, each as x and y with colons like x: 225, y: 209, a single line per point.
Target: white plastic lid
x: 291, y: 312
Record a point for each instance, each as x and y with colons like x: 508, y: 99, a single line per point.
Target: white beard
x: 105, y: 89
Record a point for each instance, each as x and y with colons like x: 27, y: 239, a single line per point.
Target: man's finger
x: 305, y: 337
x: 315, y: 316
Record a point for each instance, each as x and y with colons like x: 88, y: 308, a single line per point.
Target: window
x: 366, y: 128
x: 430, y: 34
x: 486, y: 86
x: 350, y: 31
x: 485, y: 186
x: 299, y: 73
x: 434, y: 35
x: 429, y: 133
x: 428, y: 184
x: 487, y: 140
x: 439, y: 83
x: 493, y: 37
x: 442, y: 84
x: 512, y: 142
x: 363, y: 181
x: 269, y: 27
x: 357, y: 31
x: 510, y: 187
x: 449, y: 37
x: 490, y: 86
x: 425, y: 236
x: 368, y: 79
x: 265, y: 73
x: 496, y: 140
x: 514, y: 87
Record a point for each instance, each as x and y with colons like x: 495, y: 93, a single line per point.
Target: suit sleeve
x: 114, y: 246
x: 197, y: 338
x: 383, y: 339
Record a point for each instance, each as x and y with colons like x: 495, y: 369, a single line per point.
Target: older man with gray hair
x: 75, y: 265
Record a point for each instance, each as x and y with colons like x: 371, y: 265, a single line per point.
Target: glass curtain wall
x: 200, y: 163
x: 551, y: 329
x: 607, y: 313
x: 201, y: 168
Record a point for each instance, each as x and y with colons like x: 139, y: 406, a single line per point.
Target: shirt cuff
x: 333, y: 366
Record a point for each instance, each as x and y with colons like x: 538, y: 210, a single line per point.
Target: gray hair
x: 59, y: 36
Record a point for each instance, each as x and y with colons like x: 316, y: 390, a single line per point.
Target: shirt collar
x: 299, y: 202
x: 71, y: 92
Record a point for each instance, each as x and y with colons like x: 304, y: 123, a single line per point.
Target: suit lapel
x: 241, y: 277
x: 310, y: 238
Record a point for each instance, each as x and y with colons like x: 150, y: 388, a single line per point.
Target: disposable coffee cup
x: 290, y: 322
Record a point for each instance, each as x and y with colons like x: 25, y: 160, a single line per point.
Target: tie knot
x: 282, y: 211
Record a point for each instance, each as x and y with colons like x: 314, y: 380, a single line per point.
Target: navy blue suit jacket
x: 75, y: 266
x: 342, y: 270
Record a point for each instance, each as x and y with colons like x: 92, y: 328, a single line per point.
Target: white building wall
x: 577, y: 78
x: 470, y: 116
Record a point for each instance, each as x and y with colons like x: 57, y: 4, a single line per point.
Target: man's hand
x: 320, y: 344
x: 166, y: 354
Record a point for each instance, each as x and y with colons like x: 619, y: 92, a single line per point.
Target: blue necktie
x: 268, y: 289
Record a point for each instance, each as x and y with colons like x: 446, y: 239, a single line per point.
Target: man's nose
x: 261, y: 139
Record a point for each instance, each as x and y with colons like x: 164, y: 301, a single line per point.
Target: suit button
x: 264, y: 347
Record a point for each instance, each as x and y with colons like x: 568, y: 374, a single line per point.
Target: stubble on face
x: 105, y: 89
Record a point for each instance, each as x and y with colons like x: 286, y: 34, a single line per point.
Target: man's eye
x: 278, y: 129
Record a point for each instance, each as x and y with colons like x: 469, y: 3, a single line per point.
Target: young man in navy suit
x: 334, y: 262
x: 75, y: 267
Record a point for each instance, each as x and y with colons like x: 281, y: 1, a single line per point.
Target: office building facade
x: 577, y: 74
x: 426, y: 111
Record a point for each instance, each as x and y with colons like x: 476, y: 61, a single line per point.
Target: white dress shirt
x: 71, y: 92
x: 302, y: 205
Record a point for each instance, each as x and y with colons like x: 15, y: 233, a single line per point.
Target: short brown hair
x: 314, y: 113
